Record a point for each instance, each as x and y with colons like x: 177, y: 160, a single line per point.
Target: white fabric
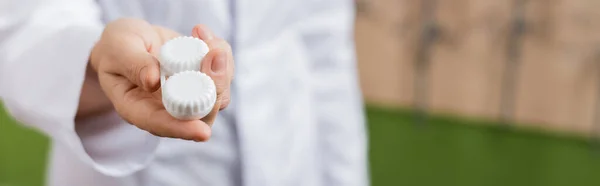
x: 297, y: 108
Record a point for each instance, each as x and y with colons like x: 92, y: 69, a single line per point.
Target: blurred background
x: 458, y: 92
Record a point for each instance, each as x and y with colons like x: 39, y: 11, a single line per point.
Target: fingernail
x: 220, y: 63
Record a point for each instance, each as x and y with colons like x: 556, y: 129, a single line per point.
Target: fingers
x: 215, y: 66
x: 218, y: 63
x: 143, y: 110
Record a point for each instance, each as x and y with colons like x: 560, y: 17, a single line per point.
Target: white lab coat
x: 297, y: 105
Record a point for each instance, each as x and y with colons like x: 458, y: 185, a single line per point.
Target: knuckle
x: 225, y: 99
x: 225, y: 96
x: 134, y: 72
x: 224, y: 104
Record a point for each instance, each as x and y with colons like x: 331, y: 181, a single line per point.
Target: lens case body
x: 187, y: 93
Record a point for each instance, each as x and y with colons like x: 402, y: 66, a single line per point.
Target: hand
x: 125, y: 59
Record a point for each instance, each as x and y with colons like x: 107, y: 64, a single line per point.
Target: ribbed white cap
x: 189, y: 95
x: 182, y: 54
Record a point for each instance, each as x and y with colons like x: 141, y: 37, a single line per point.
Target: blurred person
x: 86, y: 74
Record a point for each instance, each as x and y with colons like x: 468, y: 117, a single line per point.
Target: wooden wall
x: 557, y: 80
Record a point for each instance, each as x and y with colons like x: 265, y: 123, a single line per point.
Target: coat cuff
x: 111, y: 145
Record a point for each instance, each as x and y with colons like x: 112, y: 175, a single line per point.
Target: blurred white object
x: 296, y: 116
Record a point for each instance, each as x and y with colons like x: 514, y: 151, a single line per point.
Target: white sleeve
x: 44, y: 49
x: 328, y: 33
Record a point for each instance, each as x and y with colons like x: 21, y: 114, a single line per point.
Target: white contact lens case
x: 187, y: 93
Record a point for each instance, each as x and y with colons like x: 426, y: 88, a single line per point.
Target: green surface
x: 22, y: 154
x: 445, y: 152
x: 451, y: 151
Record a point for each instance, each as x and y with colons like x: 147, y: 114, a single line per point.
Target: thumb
x: 139, y: 64
x: 125, y: 48
x: 143, y: 70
